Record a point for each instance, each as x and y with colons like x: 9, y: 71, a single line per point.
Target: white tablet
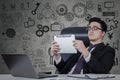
x: 66, y: 43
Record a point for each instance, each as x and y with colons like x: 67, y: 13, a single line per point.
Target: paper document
x: 93, y: 76
x: 66, y: 43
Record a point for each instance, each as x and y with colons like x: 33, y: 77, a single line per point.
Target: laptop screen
x: 19, y: 65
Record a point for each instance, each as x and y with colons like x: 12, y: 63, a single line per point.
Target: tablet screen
x: 66, y: 43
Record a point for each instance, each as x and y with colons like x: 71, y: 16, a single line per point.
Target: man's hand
x: 79, y: 45
x: 55, y: 49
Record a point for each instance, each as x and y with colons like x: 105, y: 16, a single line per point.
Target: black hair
x: 102, y: 23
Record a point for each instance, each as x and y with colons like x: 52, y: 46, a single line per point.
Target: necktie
x: 81, y: 62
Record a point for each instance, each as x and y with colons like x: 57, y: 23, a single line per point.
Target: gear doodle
x: 47, y: 5
x: 47, y: 14
x: 39, y: 33
x: 88, y: 16
x: 79, y: 10
x: 61, y: 9
x: 89, y: 5
x: 41, y: 30
x: 40, y: 16
x: 45, y: 28
x: 39, y: 26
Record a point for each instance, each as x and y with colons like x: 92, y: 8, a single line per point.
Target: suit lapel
x: 98, y: 49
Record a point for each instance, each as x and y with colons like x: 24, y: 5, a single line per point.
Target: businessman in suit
x: 98, y: 60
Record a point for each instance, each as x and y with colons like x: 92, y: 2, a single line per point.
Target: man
x: 98, y: 60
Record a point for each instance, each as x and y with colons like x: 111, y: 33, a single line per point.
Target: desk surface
x: 66, y: 77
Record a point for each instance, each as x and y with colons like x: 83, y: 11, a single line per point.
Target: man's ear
x: 103, y: 33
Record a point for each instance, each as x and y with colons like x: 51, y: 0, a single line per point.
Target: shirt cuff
x: 58, y: 61
x: 87, y: 59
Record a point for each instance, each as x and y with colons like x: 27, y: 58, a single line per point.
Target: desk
x: 63, y: 77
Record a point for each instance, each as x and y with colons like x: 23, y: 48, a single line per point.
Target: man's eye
x: 95, y: 28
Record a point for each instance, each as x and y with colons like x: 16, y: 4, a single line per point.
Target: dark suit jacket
x: 101, y: 62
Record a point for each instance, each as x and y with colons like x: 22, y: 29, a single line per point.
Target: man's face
x: 95, y: 32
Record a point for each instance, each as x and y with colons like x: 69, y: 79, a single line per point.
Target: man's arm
x: 103, y: 61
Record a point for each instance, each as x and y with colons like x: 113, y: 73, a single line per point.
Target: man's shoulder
x: 108, y: 47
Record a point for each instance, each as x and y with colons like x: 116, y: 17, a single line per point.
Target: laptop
x: 21, y: 66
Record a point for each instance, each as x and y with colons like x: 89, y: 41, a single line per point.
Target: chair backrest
x: 80, y: 33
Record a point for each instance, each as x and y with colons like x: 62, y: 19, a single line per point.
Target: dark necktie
x: 81, y: 62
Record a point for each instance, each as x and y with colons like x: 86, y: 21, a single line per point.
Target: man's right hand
x: 55, y: 49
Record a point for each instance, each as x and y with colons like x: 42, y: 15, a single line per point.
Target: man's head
x: 96, y: 29
x: 101, y: 22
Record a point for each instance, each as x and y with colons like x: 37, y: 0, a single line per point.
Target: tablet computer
x: 66, y: 43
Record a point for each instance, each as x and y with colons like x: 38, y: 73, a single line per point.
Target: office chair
x: 80, y: 34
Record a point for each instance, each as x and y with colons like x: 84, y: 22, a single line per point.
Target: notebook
x: 21, y: 66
